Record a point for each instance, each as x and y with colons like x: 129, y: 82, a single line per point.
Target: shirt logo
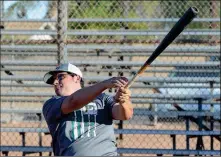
x: 90, y: 109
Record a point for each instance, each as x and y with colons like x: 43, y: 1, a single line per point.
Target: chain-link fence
x: 176, y: 101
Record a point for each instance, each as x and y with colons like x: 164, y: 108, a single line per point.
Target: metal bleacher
x: 22, y: 85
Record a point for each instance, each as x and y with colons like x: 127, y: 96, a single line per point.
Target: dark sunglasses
x: 60, y: 77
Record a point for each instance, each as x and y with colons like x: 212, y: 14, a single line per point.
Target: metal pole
x: 211, y: 118
x: 61, y: 31
x: 1, y: 14
x: 200, y: 145
x: 187, y: 136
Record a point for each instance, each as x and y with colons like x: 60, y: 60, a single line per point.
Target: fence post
x: 61, y: 31
x: 211, y: 117
x: 1, y: 15
x: 199, y: 144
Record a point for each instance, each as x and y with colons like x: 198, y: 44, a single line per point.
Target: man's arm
x: 122, y: 109
x: 83, y: 96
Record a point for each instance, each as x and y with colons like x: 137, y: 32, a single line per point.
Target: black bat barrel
x: 174, y: 32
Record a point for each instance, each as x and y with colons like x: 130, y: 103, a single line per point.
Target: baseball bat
x: 168, y: 39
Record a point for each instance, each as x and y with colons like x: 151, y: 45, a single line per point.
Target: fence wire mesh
x: 114, y: 38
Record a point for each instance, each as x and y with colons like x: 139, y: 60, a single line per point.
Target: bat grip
x: 131, y: 81
x: 140, y: 71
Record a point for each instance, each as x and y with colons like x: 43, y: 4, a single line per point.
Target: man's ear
x: 78, y: 78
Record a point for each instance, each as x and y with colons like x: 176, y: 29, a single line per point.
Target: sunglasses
x: 60, y: 77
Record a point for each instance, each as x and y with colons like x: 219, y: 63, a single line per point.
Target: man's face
x: 64, y: 83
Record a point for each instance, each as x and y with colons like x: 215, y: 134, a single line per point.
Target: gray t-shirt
x: 85, y: 132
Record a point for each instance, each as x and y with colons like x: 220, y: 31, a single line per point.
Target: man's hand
x: 123, y: 108
x: 123, y: 95
x: 115, y: 82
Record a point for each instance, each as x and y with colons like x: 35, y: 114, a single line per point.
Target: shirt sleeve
x: 52, y: 109
x: 109, y: 103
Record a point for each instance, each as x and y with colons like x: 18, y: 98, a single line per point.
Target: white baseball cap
x: 67, y: 67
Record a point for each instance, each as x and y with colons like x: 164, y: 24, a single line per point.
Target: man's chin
x: 58, y: 93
